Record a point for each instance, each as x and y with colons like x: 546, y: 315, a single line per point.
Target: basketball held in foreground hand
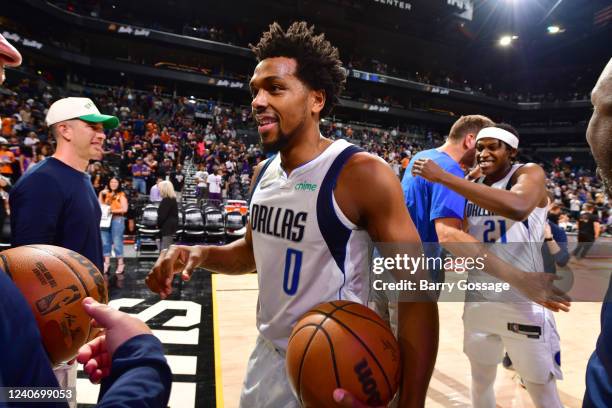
x: 54, y: 281
x: 345, y: 345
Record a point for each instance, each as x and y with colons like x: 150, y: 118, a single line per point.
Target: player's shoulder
x: 258, y: 168
x: 531, y: 169
x: 365, y: 169
x: 363, y: 163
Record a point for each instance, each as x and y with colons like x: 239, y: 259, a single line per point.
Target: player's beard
x: 281, y: 141
x: 276, y: 146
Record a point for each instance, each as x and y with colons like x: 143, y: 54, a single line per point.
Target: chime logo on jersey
x: 279, y: 222
x: 305, y: 186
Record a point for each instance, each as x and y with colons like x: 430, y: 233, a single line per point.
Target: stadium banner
x: 129, y: 30
x: 402, y: 5
x: 419, y: 86
x: 16, y: 38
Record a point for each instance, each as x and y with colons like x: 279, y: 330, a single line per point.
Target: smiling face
x: 86, y: 138
x: 283, y: 106
x: 113, y: 184
x: 494, y: 157
x: 90, y: 139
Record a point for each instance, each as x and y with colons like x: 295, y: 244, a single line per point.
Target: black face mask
x: 554, y: 218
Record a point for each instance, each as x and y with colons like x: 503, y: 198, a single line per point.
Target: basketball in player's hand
x: 54, y: 281
x: 345, y: 345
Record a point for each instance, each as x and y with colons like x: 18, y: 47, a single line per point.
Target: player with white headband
x: 507, y: 206
x: 499, y: 134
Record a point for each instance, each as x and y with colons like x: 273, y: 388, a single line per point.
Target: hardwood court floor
x: 236, y: 301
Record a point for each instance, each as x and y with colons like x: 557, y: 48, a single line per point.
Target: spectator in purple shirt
x: 140, y: 172
x: 155, y: 195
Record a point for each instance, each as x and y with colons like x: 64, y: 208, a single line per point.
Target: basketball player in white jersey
x: 311, y: 219
x: 507, y: 206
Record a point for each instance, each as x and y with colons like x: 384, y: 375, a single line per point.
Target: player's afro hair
x: 318, y: 62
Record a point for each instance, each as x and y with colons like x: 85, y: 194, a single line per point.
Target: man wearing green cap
x: 54, y: 202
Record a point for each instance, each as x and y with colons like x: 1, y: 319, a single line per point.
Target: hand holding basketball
x: 54, y: 280
x: 177, y: 259
x: 343, y: 352
x: 96, y: 356
x: 347, y: 400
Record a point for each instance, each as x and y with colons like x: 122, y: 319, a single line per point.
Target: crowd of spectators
x: 158, y: 132
x: 576, y: 189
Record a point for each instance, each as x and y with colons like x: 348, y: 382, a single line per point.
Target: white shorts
x: 532, y: 342
x: 266, y: 383
x: 66, y: 375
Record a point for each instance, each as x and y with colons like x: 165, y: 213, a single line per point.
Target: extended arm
x: 536, y: 286
x: 383, y: 214
x: 516, y: 203
x: 233, y: 259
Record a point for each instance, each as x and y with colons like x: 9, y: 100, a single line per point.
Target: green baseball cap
x: 79, y: 108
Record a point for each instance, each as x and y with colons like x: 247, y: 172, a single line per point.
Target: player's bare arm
x: 536, y: 286
x: 234, y: 259
x: 370, y: 195
x: 600, y: 126
x: 527, y: 193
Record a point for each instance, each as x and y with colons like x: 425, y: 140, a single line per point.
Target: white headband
x: 499, y: 134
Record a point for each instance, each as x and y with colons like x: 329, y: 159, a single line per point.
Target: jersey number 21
x: 491, y: 233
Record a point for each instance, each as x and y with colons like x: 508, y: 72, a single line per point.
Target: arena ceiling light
x: 554, y: 29
x: 506, y: 40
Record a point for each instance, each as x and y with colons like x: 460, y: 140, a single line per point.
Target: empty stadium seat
x: 235, y: 225
x: 193, y: 229
x: 214, y: 223
x: 147, y: 231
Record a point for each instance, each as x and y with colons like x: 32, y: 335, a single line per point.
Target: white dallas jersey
x: 519, y: 243
x: 306, y: 251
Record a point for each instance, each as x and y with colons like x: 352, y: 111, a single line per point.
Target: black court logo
x: 368, y: 384
x: 56, y: 300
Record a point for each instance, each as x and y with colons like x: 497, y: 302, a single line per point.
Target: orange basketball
x: 343, y: 344
x: 54, y: 281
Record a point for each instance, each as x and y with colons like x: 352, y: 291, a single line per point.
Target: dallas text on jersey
x: 279, y: 222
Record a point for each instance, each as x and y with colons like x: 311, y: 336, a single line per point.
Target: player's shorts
x: 66, y: 375
x: 532, y: 342
x: 266, y: 383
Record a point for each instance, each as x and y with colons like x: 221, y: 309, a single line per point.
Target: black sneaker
x: 507, y: 363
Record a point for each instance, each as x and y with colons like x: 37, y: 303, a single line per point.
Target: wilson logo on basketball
x: 368, y: 384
